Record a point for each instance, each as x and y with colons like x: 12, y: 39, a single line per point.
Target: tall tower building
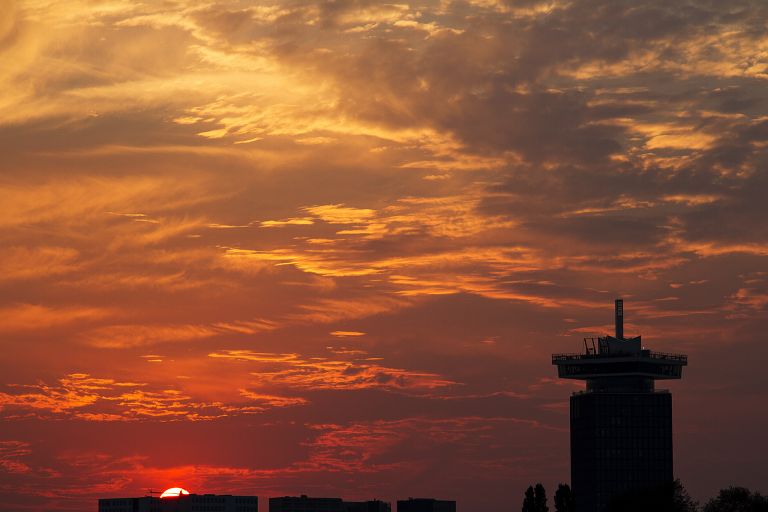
x: 621, y: 426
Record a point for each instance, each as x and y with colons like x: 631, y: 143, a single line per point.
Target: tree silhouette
x: 667, y: 497
x: 540, y: 499
x: 535, y: 499
x: 529, y: 505
x: 737, y: 499
x: 564, y: 499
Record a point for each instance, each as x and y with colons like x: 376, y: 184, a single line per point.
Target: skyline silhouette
x: 177, y: 499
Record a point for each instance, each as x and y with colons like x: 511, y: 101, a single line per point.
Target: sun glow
x: 174, y: 492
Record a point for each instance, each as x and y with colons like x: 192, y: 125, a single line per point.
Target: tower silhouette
x: 621, y: 426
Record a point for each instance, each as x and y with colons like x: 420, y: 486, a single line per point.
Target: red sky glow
x: 327, y: 247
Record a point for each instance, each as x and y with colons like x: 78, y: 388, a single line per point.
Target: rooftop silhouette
x: 425, y: 505
x: 177, y: 499
x: 305, y: 503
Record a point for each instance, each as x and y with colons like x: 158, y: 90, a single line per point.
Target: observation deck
x: 646, y: 363
x: 616, y: 362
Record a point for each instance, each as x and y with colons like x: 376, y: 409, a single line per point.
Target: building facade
x: 621, y: 426
x: 425, y: 505
x: 305, y: 503
x: 367, y: 506
x: 182, y: 503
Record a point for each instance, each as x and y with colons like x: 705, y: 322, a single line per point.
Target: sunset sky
x: 328, y: 247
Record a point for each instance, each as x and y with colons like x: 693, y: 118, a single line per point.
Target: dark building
x: 304, y: 503
x: 621, y: 426
x: 181, y: 503
x: 425, y: 505
x: 367, y: 506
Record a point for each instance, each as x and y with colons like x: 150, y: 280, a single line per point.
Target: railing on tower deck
x: 668, y: 356
x: 679, y: 358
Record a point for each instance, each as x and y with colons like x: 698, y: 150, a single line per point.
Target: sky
x: 328, y: 247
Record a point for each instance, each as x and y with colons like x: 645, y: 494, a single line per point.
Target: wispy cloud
x: 34, y: 317
x: 293, y: 370
x: 83, y: 397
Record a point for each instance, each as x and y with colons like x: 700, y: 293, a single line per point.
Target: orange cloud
x: 32, y: 317
x: 320, y: 373
x: 10, y: 454
x: 80, y: 396
x: 122, y: 336
x: 135, y: 335
x: 37, y: 262
x: 340, y: 214
x: 333, y: 310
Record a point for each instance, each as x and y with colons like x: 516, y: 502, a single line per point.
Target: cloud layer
x: 353, y: 232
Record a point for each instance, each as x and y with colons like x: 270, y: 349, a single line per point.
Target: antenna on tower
x: 151, y: 492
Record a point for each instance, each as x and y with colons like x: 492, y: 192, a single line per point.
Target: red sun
x: 173, y: 492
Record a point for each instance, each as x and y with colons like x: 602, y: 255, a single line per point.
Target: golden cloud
x: 291, y: 370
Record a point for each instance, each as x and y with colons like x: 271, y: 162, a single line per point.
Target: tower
x: 621, y: 426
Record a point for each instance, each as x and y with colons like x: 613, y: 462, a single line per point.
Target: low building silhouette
x: 367, y: 506
x: 425, y: 505
x: 305, y: 503
x: 182, y: 503
x: 621, y: 426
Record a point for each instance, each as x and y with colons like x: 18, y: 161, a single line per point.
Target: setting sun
x: 174, y: 492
